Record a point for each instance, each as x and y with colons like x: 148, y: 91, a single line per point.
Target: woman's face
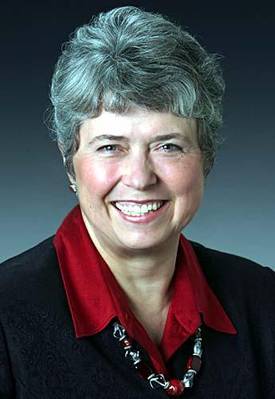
x: 139, y: 177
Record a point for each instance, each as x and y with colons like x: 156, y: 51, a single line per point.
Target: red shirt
x: 95, y: 298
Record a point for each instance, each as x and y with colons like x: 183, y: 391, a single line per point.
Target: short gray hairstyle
x: 130, y: 57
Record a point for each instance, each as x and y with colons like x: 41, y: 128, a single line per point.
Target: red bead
x: 194, y: 363
x: 189, y: 362
x: 126, y: 342
x: 175, y: 388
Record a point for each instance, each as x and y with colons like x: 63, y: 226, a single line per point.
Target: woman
x: 118, y: 304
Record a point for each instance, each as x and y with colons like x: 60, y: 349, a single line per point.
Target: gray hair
x: 129, y: 57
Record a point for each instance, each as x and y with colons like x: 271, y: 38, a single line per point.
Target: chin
x: 144, y: 243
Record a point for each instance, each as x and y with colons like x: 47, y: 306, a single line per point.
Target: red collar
x: 95, y: 297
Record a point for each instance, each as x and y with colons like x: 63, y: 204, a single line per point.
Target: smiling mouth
x: 138, y: 209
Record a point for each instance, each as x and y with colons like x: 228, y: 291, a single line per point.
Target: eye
x: 170, y: 147
x: 108, y: 148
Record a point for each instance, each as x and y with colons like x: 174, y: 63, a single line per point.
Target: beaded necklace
x: 172, y: 387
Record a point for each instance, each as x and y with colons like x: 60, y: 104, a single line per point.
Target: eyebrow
x: 160, y: 137
x: 110, y: 137
x: 170, y: 136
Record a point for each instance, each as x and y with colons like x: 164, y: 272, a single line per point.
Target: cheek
x: 95, y: 177
x: 184, y: 178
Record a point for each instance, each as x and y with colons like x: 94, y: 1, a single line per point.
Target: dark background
x: 238, y: 213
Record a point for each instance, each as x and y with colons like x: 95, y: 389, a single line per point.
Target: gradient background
x: 238, y: 212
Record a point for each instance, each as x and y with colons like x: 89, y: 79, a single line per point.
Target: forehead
x: 137, y: 122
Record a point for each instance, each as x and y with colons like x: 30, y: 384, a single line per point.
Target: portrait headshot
x: 137, y: 225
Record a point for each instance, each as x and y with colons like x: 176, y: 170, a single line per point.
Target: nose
x: 138, y: 172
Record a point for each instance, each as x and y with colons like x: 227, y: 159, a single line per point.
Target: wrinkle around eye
x: 109, y: 148
x: 172, y: 147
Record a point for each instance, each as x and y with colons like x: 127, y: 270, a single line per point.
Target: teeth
x: 138, y: 209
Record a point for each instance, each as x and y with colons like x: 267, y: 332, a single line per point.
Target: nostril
x: 139, y: 177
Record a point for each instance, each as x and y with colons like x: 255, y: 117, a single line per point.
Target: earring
x: 73, y: 187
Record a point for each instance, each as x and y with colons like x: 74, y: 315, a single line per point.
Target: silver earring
x: 73, y: 187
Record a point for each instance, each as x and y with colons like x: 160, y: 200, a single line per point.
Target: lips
x: 139, y: 208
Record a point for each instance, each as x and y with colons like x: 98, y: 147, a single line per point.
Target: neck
x: 141, y: 274
x: 145, y: 277
x: 146, y: 281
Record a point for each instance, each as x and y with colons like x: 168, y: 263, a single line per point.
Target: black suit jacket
x: 41, y: 358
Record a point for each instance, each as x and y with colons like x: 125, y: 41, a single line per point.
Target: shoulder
x: 30, y: 272
x: 245, y: 289
x: 236, y: 279
x: 30, y: 260
x: 42, y: 248
x: 216, y: 261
